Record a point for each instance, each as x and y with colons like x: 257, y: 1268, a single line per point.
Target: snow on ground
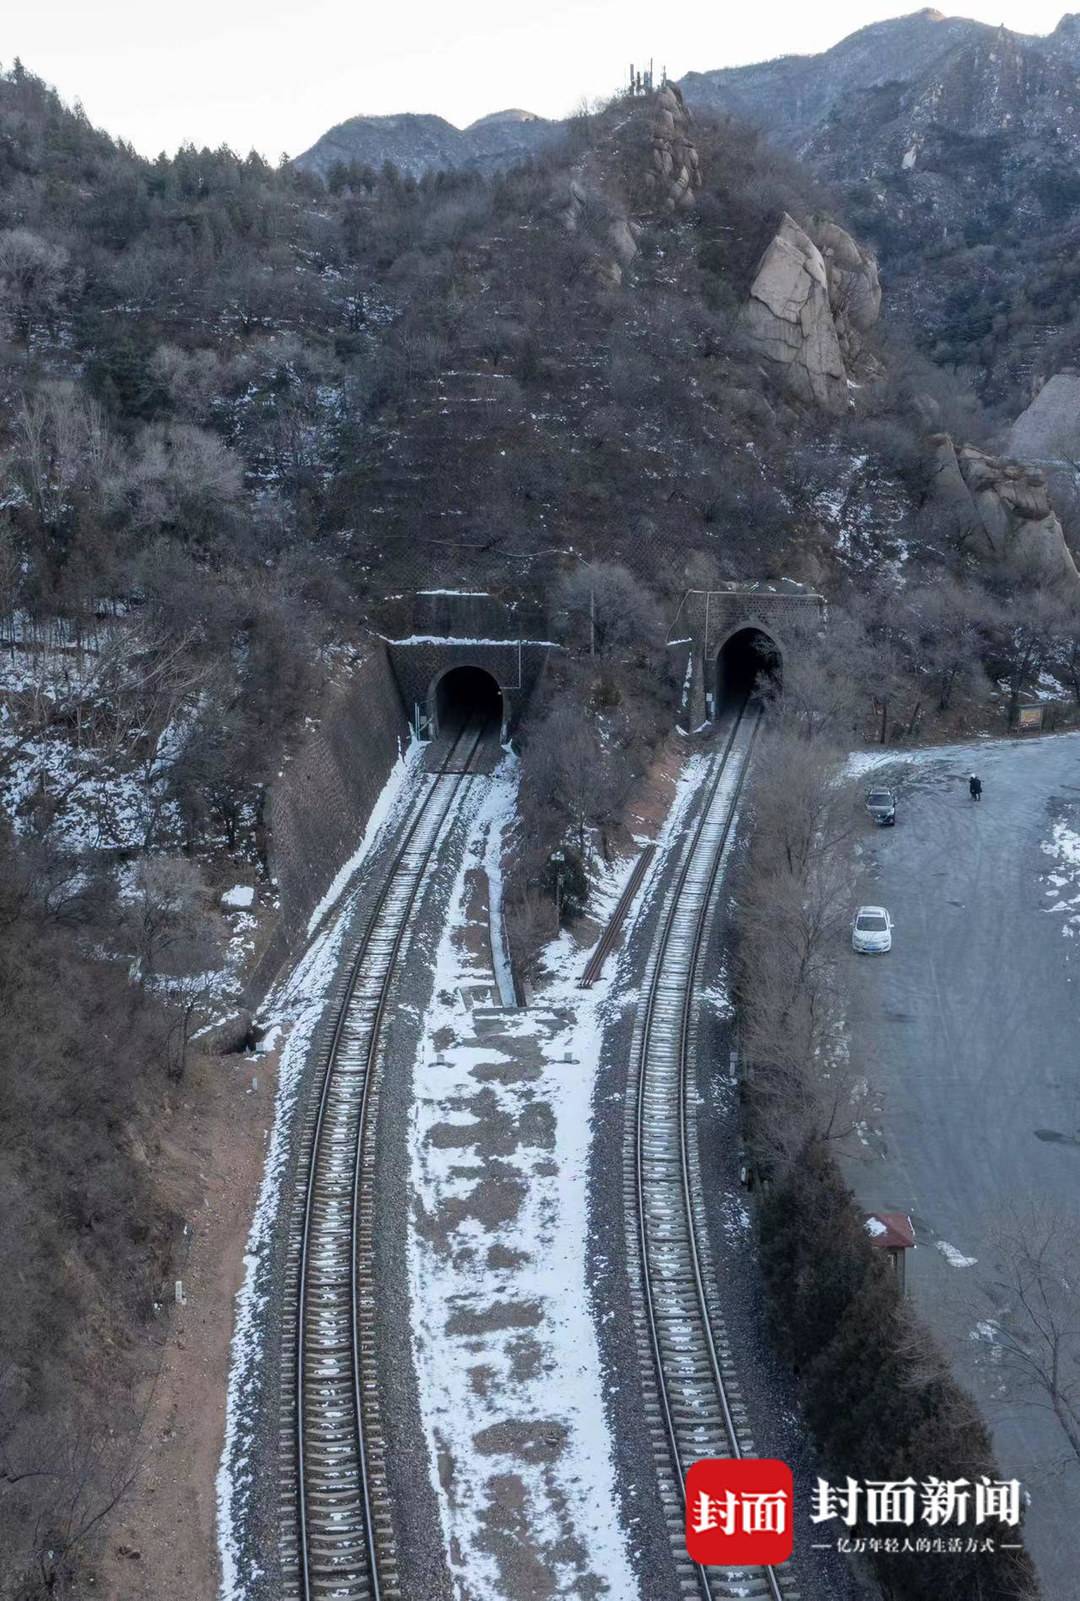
x: 238, y: 898
x: 511, y: 1392
x: 448, y: 639
x: 500, y: 950
x: 868, y: 761
x: 1064, y: 879
x: 954, y: 1257
x: 93, y: 797
x: 504, y: 1340
x: 294, y: 1008
x: 99, y: 806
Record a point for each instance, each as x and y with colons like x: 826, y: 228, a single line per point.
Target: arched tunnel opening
x: 464, y: 694
x: 747, y: 663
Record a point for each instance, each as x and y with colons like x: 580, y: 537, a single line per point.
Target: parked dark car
x: 881, y: 804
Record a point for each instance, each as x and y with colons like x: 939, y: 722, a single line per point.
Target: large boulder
x: 788, y: 318
x: 1003, y: 510
x: 1049, y: 430
x: 854, y: 286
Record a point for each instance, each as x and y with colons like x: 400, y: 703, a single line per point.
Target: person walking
x: 975, y: 787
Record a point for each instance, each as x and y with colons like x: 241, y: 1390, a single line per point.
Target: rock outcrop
x: 674, y: 176
x: 617, y: 245
x: 810, y: 308
x: 670, y: 183
x: 1004, y: 509
x: 793, y: 96
x: 854, y: 287
x: 1049, y: 429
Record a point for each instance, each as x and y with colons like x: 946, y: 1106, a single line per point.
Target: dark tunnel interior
x: 463, y: 693
x: 740, y: 665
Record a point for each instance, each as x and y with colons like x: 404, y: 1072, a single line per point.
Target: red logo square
x: 739, y: 1511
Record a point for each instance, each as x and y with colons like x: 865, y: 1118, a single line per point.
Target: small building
x: 1039, y: 712
x: 895, y: 1233
x: 1026, y: 713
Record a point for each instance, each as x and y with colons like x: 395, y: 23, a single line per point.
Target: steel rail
x: 353, y: 1578
x: 675, y: 1253
x: 617, y: 919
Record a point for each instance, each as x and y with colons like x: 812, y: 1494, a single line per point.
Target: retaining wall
x: 320, y: 804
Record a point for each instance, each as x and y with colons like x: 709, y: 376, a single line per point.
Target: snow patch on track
x: 504, y: 1342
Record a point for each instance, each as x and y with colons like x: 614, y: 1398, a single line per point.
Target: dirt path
x: 161, y: 1543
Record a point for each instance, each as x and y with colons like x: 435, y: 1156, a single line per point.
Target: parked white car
x: 871, y: 930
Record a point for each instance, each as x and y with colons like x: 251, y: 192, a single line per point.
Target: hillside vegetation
x: 238, y: 409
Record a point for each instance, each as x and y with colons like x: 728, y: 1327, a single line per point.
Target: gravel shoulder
x: 161, y: 1544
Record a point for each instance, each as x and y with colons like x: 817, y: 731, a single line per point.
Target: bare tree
x: 798, y: 803
x: 56, y: 1487
x: 1034, y: 1299
x: 795, y: 900
x: 166, y: 915
x: 181, y: 477
x: 10, y: 571
x: 563, y: 761
x: 33, y: 274
x: 825, y: 672
x: 604, y: 610
x: 946, y: 624
x: 62, y: 449
x: 1026, y: 629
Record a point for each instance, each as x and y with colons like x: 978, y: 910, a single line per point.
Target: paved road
x: 969, y: 1027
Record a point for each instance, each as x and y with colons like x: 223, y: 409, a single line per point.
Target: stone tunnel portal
x: 748, y: 660
x: 462, y: 693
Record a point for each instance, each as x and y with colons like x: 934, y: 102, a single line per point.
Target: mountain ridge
x: 788, y: 96
x: 418, y: 142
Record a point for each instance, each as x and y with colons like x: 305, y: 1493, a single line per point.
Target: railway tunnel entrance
x: 748, y: 662
x: 723, y: 641
x: 462, y: 693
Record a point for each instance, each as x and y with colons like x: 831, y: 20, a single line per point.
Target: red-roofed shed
x: 892, y: 1232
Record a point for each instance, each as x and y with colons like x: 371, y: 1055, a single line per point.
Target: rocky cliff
x: 1003, y: 511
x: 794, y: 97
x: 954, y: 150
x: 810, y: 306
x: 1049, y: 429
x: 674, y: 174
x: 665, y: 178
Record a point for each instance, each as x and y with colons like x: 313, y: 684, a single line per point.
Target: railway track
x: 336, y: 1531
x: 611, y: 933
x: 693, y: 1402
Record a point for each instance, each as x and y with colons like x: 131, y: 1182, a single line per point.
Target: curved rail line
x: 691, y: 1386
x: 337, y: 1536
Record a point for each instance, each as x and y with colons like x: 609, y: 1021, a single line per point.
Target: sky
x: 273, y: 74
